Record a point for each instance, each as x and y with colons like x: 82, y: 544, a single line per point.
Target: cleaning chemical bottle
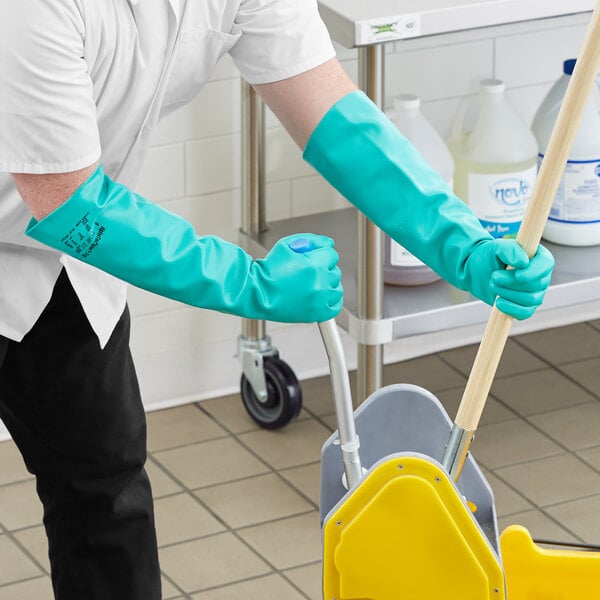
x: 401, y: 267
x: 575, y: 215
x: 496, y: 162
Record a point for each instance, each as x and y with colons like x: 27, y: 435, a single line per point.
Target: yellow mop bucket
x: 536, y: 573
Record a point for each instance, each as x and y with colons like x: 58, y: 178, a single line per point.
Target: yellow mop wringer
x: 404, y: 528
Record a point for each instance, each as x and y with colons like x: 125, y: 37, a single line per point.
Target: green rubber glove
x: 363, y: 155
x: 106, y: 225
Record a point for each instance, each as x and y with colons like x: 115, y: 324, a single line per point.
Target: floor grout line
x: 228, y: 528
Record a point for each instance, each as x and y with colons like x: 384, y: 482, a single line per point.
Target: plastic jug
x: 575, y: 216
x: 401, y: 267
x: 495, y: 162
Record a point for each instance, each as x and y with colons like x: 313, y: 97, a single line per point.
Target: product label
x: 499, y: 199
x: 401, y: 257
x: 387, y: 29
x: 578, y: 197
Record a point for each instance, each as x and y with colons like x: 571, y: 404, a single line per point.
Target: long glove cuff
x: 363, y: 155
x: 108, y: 226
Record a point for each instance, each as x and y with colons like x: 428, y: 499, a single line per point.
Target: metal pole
x: 370, y: 242
x: 253, y: 182
x: 342, y: 402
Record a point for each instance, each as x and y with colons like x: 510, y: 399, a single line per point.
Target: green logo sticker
x: 384, y: 28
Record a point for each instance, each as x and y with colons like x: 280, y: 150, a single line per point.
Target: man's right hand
x: 299, y: 287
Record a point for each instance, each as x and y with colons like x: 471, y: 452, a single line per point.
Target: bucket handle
x: 340, y: 385
x: 342, y: 401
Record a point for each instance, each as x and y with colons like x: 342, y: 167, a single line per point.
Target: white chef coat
x: 87, y: 80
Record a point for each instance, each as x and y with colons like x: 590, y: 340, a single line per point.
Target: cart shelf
x: 410, y: 311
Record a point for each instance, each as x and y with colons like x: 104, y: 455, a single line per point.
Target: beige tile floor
x: 237, y: 506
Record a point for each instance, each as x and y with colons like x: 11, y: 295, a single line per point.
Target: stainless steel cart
x: 375, y: 314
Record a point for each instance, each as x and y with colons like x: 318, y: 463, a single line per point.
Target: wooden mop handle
x: 530, y: 232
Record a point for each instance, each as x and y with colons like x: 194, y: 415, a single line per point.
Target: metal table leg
x: 253, y: 343
x: 370, y: 242
x: 269, y: 387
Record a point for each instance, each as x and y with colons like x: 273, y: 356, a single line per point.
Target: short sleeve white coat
x: 88, y: 80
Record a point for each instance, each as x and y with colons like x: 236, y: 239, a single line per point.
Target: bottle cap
x: 492, y: 86
x: 569, y: 66
x: 406, y: 101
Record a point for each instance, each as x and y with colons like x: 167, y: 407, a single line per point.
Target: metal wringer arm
x: 342, y: 400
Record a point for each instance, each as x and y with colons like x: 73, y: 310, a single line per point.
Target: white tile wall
x: 529, y: 58
x: 440, y: 72
x: 212, y: 164
x: 194, y: 169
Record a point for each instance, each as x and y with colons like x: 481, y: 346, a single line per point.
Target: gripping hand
x: 299, y: 286
x: 519, y: 289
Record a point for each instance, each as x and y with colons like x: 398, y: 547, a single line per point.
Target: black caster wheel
x: 284, y: 396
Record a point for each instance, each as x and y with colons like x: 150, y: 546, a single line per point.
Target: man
x: 82, y: 86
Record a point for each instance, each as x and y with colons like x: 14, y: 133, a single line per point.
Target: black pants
x: 75, y: 413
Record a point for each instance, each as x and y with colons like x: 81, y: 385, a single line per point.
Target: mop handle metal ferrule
x: 342, y: 401
x: 457, y: 450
